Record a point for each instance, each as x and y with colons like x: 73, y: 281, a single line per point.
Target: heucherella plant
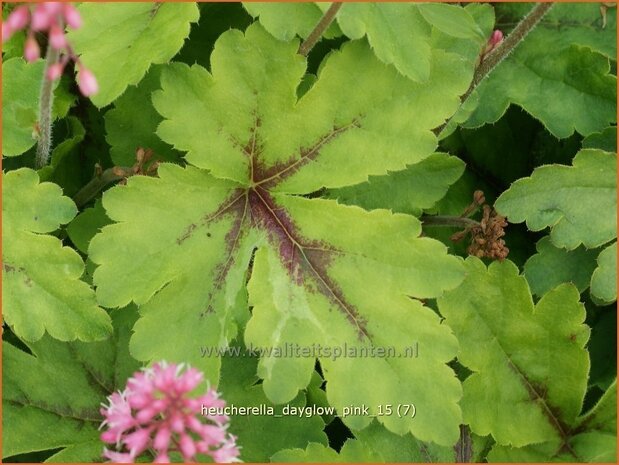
x: 156, y: 411
x: 286, y: 232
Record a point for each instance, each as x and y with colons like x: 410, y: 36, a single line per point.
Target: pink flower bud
x: 72, y: 16
x: 56, y: 37
x: 18, y: 19
x: 31, y: 50
x: 162, y: 458
x: 6, y: 32
x: 496, y: 38
x: 187, y: 446
x: 41, y: 19
x: 55, y: 71
x: 52, y: 8
x: 87, y: 82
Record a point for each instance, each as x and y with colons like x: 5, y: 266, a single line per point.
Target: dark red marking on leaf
x: 232, y: 240
x: 226, y: 207
x: 299, y: 255
x: 269, y: 177
x: 538, y: 394
x: 11, y: 269
x: 8, y: 268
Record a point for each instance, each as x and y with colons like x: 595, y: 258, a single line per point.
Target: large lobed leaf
x: 529, y: 363
x: 578, y: 202
x: 116, y: 41
x: 560, y: 73
x: 51, y: 396
x: 321, y: 275
x: 40, y: 298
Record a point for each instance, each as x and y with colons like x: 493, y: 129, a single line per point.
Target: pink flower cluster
x: 50, y: 18
x: 156, y: 412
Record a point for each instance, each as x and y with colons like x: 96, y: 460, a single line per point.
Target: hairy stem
x: 98, y: 183
x: 46, y: 102
x: 495, y: 57
x: 321, y: 27
x: 448, y: 221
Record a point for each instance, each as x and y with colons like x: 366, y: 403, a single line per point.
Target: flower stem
x: 448, y: 221
x: 98, y: 183
x: 495, y: 57
x: 320, y: 28
x: 46, y: 102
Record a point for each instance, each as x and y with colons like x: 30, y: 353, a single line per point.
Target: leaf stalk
x: 318, y: 31
x: 449, y: 221
x: 98, y: 183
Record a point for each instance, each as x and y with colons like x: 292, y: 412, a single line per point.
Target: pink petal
x: 87, y: 82
x: 162, y: 439
x: 18, y: 19
x: 188, y: 448
x: 162, y: 458
x: 137, y: 441
x: 72, y: 16
x: 41, y: 19
x: 117, y: 457
x: 52, y: 8
x: 57, y: 38
x: 31, y: 50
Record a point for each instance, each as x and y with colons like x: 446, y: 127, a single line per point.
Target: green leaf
x: 238, y: 386
x: 604, y: 279
x: 288, y: 20
x: 399, y: 34
x: 593, y: 439
x: 452, y: 20
x: 529, y: 363
x: 394, y: 448
x: 43, y: 298
x: 578, y: 202
x: 51, y: 397
x: 64, y: 168
x: 551, y: 266
x: 560, y: 73
x: 21, y: 83
x: 116, y: 41
x: 568, y: 23
x: 352, y: 452
x: 133, y: 121
x: 215, y: 19
x: 85, y: 225
x: 602, y: 417
x: 605, y: 140
x: 261, y: 146
x: 412, y: 190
